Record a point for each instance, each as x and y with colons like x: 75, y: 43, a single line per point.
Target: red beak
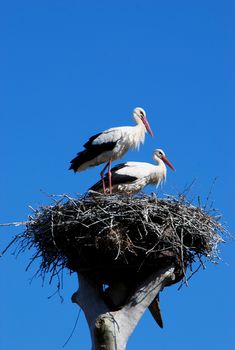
x: 146, y: 124
x: 165, y: 160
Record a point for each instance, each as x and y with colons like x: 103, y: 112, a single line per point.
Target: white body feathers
x: 124, y: 137
x: 131, y: 177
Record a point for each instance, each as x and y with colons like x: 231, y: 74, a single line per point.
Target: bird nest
x: 113, y: 238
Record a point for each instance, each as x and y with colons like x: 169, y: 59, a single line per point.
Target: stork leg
x: 102, y: 176
x: 107, y: 165
x: 110, y: 177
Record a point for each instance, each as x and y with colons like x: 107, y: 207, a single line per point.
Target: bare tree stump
x: 109, y: 329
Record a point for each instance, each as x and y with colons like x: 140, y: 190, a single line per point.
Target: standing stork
x: 112, y: 144
x: 131, y: 177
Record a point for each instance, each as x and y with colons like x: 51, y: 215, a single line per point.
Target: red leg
x: 102, y: 177
x: 110, y: 177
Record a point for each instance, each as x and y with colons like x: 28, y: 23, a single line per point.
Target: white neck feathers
x: 160, y: 169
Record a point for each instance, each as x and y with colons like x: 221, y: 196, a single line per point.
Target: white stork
x: 132, y: 177
x: 112, y: 144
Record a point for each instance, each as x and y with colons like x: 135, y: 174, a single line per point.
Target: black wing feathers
x: 117, y: 179
x: 88, y: 144
x: 91, y: 151
x: 81, y: 158
x: 122, y: 179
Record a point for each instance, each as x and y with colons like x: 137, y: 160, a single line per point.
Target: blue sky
x: 70, y: 69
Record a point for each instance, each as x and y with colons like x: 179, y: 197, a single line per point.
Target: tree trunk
x: 109, y: 329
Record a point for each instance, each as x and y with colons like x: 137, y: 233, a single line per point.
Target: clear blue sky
x: 70, y: 69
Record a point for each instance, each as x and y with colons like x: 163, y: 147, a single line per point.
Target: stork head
x: 159, y: 154
x: 140, y: 117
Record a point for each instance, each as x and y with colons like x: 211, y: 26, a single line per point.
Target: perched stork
x: 131, y: 177
x: 112, y: 144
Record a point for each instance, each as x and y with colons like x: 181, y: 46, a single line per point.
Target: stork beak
x: 165, y: 160
x: 146, y: 124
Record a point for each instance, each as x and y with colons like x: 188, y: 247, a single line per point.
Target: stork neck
x: 161, y: 167
x: 139, y: 131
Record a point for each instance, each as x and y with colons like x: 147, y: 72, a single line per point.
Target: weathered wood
x: 109, y: 329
